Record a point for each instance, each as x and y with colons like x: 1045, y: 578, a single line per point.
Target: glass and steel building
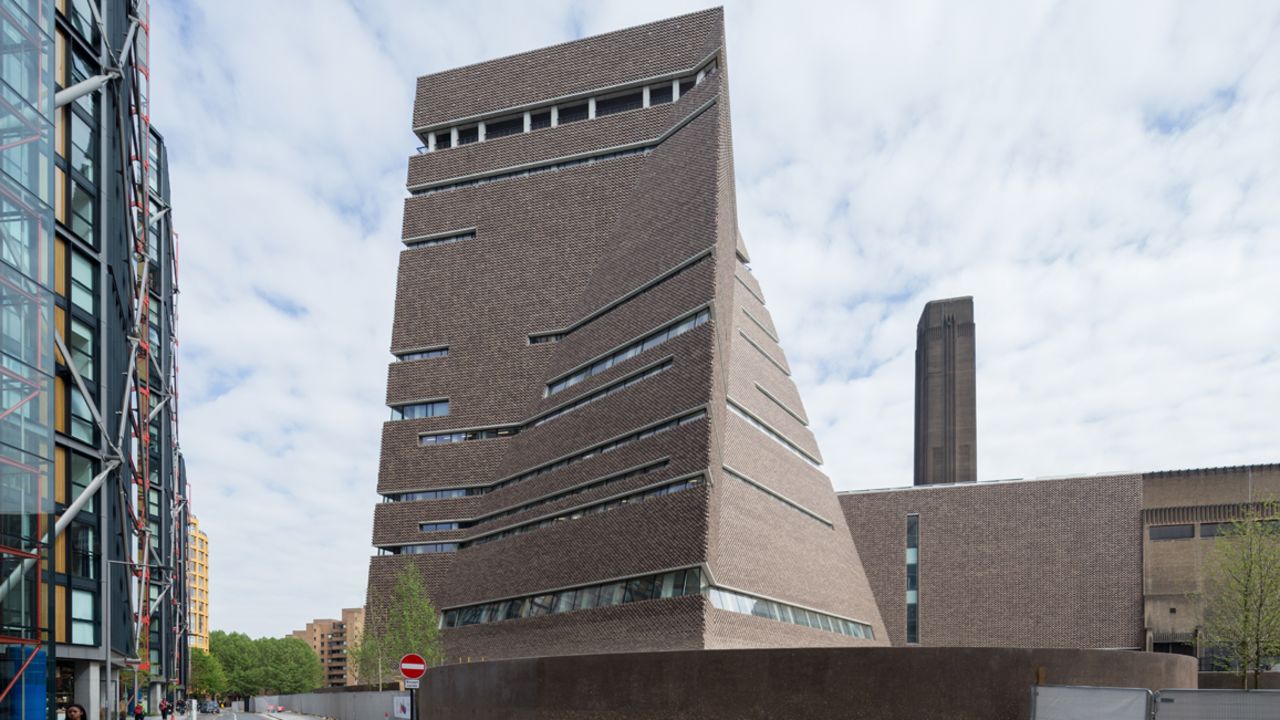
x: 27, y: 352
x: 95, y: 486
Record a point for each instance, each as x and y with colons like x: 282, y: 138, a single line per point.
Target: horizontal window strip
x: 510, y: 430
x: 782, y: 368
x: 545, y: 338
x: 643, y: 147
x: 540, y: 170
x: 734, y: 601
x: 422, y: 354
x: 468, y: 435
x: 642, y: 434
x: 774, y: 434
x: 622, y: 300
x: 443, y: 526
x: 606, y: 391
x: 674, y: 329
x: 672, y: 584
x: 606, y: 481
x: 432, y: 242
x: 442, y: 494
x: 798, y: 508
x: 757, y: 323
x: 656, y: 429
x: 638, y: 496
x: 416, y: 411
x: 781, y: 405
x: 420, y: 549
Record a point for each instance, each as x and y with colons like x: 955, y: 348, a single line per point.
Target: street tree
x: 1242, y: 593
x: 406, y: 622
x: 266, y: 666
x: 208, y: 678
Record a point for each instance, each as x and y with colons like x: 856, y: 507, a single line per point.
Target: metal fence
x: 369, y: 705
x: 1059, y: 702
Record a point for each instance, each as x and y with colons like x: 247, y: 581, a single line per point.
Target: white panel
x: 1055, y: 702
x: 1217, y: 705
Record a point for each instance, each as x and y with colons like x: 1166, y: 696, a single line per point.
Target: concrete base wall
x: 1231, y: 681
x: 864, y: 683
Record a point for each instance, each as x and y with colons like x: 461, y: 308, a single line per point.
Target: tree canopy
x: 1242, y: 594
x: 265, y: 666
x: 208, y: 678
x: 406, y: 622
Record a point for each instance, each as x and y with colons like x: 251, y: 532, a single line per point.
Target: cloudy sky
x: 1103, y: 177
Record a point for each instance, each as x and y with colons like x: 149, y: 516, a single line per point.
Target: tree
x: 288, y: 666
x: 1242, y: 593
x: 238, y: 657
x: 208, y: 678
x: 265, y: 666
x: 404, y: 623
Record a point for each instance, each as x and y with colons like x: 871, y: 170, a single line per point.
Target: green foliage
x: 406, y: 623
x: 1242, y: 598
x: 208, y: 678
x: 266, y: 666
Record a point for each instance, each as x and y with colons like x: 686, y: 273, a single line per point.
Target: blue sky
x: 1103, y: 177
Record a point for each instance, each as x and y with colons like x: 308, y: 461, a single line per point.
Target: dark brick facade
x: 1030, y: 563
x: 605, y: 253
x: 946, y: 439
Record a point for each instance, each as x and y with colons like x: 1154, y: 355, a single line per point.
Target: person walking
x: 75, y: 711
x: 139, y: 713
x: 165, y: 709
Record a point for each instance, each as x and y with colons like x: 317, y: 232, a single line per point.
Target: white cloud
x: 1102, y: 177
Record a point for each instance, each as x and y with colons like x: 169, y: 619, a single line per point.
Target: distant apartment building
x: 595, y: 441
x: 332, y: 641
x: 197, y: 586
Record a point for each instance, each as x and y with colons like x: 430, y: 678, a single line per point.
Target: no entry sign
x: 412, y: 666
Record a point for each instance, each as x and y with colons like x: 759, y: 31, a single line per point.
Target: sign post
x: 413, y: 666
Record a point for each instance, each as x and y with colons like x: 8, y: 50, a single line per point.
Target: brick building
x: 946, y: 433
x: 332, y: 640
x: 1102, y: 561
x: 1022, y: 563
x: 595, y: 442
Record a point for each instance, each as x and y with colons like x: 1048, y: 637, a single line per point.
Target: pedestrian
x: 76, y: 712
x: 165, y: 708
x: 138, y: 712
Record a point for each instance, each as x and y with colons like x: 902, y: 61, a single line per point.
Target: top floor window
x: 438, y: 408
x: 620, y: 103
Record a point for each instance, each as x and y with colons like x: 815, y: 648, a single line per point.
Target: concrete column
x: 675, y: 90
x: 591, y: 108
x: 555, y: 116
x: 431, y: 142
x: 701, y: 74
x: 453, y: 137
x: 480, y: 132
x: 646, y: 96
x: 528, y: 121
x: 88, y: 690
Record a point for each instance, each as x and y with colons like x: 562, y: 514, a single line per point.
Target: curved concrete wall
x: 864, y: 683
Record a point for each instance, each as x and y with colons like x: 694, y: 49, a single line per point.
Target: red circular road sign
x: 413, y: 666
